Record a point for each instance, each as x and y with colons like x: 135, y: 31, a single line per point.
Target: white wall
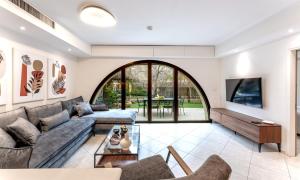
x: 71, y: 65
x: 272, y: 63
x: 206, y: 71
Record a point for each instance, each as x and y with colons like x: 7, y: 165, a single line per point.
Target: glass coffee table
x: 114, y: 154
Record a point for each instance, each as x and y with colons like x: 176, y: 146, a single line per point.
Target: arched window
x: 158, y: 91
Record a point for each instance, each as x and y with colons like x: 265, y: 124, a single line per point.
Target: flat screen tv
x: 244, y: 91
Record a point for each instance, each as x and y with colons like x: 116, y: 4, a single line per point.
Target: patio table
x: 145, y: 100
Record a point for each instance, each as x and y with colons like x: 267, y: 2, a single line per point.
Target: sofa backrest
x: 36, y: 113
x: 69, y: 105
x: 9, y: 117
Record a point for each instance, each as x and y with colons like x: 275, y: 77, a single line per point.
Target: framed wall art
x: 57, y: 77
x: 29, y: 77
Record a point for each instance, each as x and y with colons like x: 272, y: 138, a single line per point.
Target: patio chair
x: 140, y: 104
x: 155, y: 168
x: 181, y: 105
x: 156, y: 105
x: 167, y: 105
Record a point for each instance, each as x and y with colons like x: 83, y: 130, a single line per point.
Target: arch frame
x: 147, y: 62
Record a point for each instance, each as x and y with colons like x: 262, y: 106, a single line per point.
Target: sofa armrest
x: 152, y: 168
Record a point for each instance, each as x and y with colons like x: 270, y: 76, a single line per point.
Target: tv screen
x: 244, y: 91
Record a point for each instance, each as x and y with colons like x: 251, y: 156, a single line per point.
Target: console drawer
x: 216, y: 116
x: 229, y: 122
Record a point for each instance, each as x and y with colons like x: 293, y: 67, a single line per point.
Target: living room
x: 149, y: 89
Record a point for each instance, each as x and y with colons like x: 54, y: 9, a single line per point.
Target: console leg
x: 279, y: 147
x: 259, y: 147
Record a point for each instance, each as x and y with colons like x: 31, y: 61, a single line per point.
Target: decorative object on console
x: 124, y: 130
x: 125, y: 142
x: 29, y: 75
x: 115, y: 138
x: 57, y: 74
x: 268, y: 122
x: 5, y: 56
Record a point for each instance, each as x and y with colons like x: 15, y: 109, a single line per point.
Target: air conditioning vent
x: 31, y: 10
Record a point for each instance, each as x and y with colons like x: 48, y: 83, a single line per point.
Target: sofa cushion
x: 99, y: 107
x: 53, y: 142
x: 55, y: 120
x: 15, y: 158
x: 9, y: 117
x: 26, y: 132
x: 36, y: 113
x: 6, y: 140
x: 69, y: 105
x: 113, y: 116
x: 83, y: 108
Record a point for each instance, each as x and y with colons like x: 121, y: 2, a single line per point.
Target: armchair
x: 155, y: 168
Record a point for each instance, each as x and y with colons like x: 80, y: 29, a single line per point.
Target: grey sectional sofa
x: 104, y: 119
x: 56, y: 146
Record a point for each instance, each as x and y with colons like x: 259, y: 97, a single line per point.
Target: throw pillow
x: 55, y: 120
x: 83, y: 108
x: 15, y: 158
x: 99, y: 107
x: 6, y: 140
x: 26, y: 132
x: 70, y: 105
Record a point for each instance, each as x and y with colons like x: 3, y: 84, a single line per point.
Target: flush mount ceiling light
x: 97, y: 16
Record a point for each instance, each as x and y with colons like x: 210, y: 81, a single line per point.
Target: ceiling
x: 175, y: 22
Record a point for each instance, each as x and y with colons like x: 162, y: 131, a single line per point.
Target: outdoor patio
x: 190, y: 114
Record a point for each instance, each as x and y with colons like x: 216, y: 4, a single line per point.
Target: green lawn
x: 185, y: 105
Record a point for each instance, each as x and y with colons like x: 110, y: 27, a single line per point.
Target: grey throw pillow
x: 6, y: 140
x: 15, y: 158
x: 25, y: 131
x: 55, y: 120
x: 83, y: 108
x: 99, y: 107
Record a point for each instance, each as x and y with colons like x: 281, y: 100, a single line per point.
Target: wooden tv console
x: 250, y: 127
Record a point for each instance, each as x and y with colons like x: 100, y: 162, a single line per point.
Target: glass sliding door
x: 157, y: 91
x: 136, y: 90
x: 190, y: 101
x: 110, y: 92
x: 162, y: 93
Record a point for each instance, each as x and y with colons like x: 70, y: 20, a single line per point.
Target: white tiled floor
x: 196, y: 142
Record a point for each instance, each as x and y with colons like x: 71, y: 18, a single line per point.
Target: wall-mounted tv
x: 246, y: 91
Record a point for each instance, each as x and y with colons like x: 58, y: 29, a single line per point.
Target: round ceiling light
x: 97, y: 16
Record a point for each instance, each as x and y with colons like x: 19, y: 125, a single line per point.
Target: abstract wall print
x: 29, y: 77
x: 57, y: 75
x: 5, y: 58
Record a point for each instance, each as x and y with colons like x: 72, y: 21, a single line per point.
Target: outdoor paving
x: 190, y: 114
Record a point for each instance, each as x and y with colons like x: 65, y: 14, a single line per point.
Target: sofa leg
x: 259, y: 147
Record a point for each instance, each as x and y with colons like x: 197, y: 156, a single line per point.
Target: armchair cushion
x: 152, y: 168
x: 15, y: 157
x: 214, y: 168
